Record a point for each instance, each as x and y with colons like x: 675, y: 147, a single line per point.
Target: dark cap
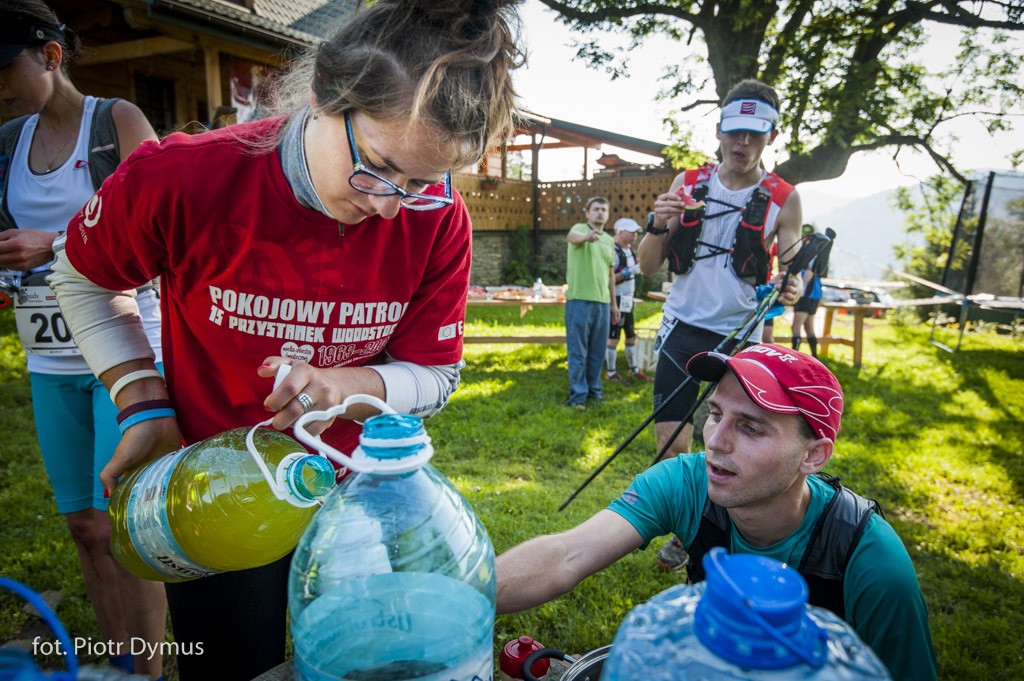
x: 17, y: 34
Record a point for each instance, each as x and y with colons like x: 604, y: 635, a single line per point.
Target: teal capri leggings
x: 76, y: 425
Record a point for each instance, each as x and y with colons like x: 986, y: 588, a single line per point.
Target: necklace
x: 51, y: 158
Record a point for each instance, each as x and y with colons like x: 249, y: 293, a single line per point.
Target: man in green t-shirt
x: 590, y: 307
x: 774, y: 417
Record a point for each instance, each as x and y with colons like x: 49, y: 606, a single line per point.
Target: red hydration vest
x: 748, y: 252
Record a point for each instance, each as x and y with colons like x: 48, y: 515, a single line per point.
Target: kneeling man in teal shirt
x: 758, y: 488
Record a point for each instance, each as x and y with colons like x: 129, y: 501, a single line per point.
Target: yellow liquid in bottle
x: 217, y: 507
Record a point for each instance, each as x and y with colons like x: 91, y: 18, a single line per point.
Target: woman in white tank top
x: 48, y: 181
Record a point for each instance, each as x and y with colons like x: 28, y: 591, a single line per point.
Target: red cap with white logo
x: 780, y: 380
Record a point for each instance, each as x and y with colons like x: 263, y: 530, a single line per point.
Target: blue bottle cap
x: 753, y: 613
x: 393, y: 436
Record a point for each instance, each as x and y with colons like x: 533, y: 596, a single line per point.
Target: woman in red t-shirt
x: 328, y: 238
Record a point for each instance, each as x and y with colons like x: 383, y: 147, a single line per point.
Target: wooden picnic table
x: 525, y: 305
x: 858, y: 310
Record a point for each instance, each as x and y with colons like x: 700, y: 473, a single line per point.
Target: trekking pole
x: 818, y: 248
x: 761, y: 309
x: 751, y: 325
x: 799, y: 262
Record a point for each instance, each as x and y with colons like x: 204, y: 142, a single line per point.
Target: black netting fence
x: 987, y: 252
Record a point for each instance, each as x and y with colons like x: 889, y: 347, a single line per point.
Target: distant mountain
x: 866, y: 230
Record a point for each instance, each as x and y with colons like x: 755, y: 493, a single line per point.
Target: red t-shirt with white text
x: 246, y: 272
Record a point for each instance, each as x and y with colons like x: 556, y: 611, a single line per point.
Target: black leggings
x: 682, y: 343
x: 231, y: 626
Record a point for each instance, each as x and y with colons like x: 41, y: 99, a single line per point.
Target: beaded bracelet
x: 131, y: 377
x: 142, y: 406
x: 145, y: 415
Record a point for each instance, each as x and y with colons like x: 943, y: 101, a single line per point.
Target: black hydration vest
x: 832, y: 542
x: 748, y: 253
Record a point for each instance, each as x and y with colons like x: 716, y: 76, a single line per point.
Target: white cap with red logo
x: 752, y: 115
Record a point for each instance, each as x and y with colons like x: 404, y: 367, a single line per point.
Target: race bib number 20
x: 41, y: 325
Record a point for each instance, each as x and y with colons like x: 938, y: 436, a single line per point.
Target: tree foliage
x: 930, y: 212
x: 846, y: 68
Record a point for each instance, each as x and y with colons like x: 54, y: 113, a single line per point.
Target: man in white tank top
x: 710, y: 300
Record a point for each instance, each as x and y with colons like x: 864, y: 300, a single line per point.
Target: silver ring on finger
x: 305, y: 400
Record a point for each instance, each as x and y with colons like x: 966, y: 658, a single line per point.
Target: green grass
x: 936, y: 438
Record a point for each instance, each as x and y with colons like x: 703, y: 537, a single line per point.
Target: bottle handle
x: 359, y: 461
x: 815, y: 659
x: 277, y: 482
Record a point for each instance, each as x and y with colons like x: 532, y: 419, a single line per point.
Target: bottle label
x: 149, y: 527
x: 477, y: 668
x: 398, y: 625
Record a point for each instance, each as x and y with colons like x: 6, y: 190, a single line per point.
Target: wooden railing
x: 501, y: 205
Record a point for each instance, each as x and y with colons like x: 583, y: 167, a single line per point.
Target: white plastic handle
x: 359, y: 461
x: 276, y: 482
x: 282, y: 371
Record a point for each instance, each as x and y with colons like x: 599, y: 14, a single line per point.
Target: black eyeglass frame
x: 433, y: 202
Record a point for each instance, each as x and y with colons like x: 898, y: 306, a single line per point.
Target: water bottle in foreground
x: 748, y: 620
x: 394, y: 579
x: 237, y: 500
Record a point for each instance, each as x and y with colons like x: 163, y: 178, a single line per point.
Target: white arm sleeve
x: 106, y: 324
x: 415, y: 389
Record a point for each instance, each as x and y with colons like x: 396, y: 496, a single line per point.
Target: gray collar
x: 292, y: 153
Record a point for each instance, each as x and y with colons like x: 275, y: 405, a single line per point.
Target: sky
x: 555, y: 85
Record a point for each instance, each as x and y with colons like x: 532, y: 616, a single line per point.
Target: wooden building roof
x: 275, y: 22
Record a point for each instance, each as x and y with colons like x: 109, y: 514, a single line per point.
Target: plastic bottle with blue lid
x: 394, y: 578
x: 748, y: 620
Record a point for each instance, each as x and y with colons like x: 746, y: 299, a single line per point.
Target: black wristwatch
x: 651, y: 229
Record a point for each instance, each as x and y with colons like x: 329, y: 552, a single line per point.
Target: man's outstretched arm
x: 546, y: 567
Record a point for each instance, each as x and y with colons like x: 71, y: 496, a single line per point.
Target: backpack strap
x: 683, y: 248
x: 833, y: 540
x: 715, y: 530
x: 104, y: 149
x: 750, y: 258
x: 779, y: 188
x: 9, y: 133
x: 620, y: 258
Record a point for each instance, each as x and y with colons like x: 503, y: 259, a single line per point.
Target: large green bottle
x: 237, y: 500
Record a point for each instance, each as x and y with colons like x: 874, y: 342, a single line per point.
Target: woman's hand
x: 142, y: 442
x: 303, y: 380
x: 324, y: 388
x: 24, y: 249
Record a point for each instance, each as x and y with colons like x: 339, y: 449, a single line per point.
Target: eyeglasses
x: 366, y: 181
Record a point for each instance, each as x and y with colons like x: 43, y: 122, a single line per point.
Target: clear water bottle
x: 237, y: 500
x: 748, y: 620
x: 394, y: 578
x: 538, y: 289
